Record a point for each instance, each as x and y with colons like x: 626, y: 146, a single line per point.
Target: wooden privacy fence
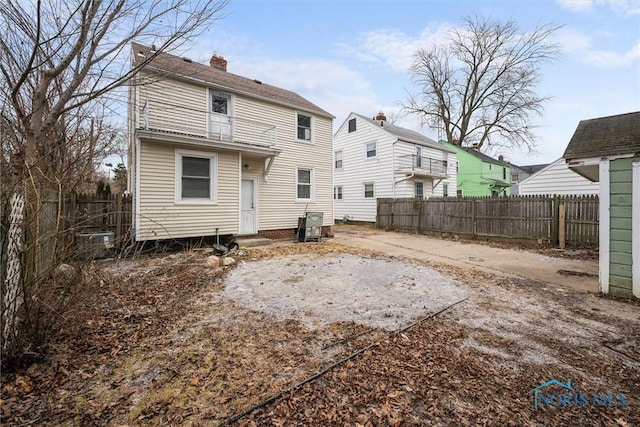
x: 87, y: 213
x: 550, y: 219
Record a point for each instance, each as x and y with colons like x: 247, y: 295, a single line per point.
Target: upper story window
x: 372, y: 149
x: 195, y: 177
x: 490, y: 167
x: 338, y: 159
x: 445, y: 190
x: 352, y: 125
x: 515, y: 177
x: 219, y: 104
x: 304, y: 127
x: 504, y: 173
x: 418, y: 156
x: 457, y: 167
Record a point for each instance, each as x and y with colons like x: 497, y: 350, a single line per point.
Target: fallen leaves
x: 156, y: 343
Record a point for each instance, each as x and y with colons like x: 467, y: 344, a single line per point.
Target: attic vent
x: 140, y: 53
x: 185, y: 59
x: 257, y: 81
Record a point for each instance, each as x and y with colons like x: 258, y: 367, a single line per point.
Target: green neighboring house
x: 479, y: 174
x: 607, y: 149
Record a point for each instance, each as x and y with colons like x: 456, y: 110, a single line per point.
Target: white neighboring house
x: 557, y: 178
x: 373, y: 158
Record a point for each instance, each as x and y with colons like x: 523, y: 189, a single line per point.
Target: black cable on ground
x: 317, y: 375
x: 606, y: 344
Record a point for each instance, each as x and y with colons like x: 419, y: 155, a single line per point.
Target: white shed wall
x: 557, y: 178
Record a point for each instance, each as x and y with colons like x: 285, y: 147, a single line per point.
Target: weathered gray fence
x: 524, y: 218
x: 92, y: 212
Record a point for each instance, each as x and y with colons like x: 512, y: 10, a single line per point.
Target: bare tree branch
x: 480, y: 86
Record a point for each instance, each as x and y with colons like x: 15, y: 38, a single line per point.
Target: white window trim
x: 312, y: 192
x: 364, y: 190
x: 213, y: 176
x: 335, y: 192
x: 312, y: 124
x: 366, y: 150
x: 230, y: 109
x: 335, y: 159
x: 414, y: 188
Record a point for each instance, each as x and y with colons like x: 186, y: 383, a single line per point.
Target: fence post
x: 474, y: 227
x: 561, y: 225
x: 420, y: 213
x: 118, y: 237
x: 555, y: 211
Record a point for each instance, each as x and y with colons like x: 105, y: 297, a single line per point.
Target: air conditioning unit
x: 95, y: 245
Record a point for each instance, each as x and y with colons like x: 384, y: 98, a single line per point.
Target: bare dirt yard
x: 332, y: 333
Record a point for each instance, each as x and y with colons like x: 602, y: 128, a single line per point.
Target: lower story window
x: 445, y: 190
x: 337, y: 192
x: 418, y: 189
x: 195, y: 177
x: 369, y: 191
x: 459, y: 193
x: 303, y: 182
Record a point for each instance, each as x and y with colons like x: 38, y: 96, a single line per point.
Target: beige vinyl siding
x: 277, y: 205
x: 557, y: 178
x: 161, y: 218
x: 173, y: 106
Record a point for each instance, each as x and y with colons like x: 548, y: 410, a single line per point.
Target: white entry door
x: 248, y: 206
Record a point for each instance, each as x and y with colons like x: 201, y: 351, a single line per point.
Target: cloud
x: 621, y: 7
x: 393, y: 48
x: 576, y: 5
x: 577, y: 44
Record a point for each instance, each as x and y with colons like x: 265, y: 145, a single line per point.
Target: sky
x: 354, y: 55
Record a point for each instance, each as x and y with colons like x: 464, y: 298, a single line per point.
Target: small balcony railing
x: 176, y: 119
x: 421, y: 165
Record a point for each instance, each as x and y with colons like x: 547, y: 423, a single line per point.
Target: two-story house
x: 374, y: 158
x: 479, y: 174
x: 214, y: 152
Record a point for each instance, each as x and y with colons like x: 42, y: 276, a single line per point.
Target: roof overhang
x: 589, y: 167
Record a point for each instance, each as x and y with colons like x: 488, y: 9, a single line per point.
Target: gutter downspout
x: 393, y: 168
x: 403, y: 179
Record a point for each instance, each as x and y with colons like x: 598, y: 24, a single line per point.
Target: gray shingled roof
x: 406, y: 134
x: 210, y: 76
x: 483, y: 156
x: 531, y: 169
x: 605, y: 136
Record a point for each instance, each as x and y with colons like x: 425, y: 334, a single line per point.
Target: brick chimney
x: 381, y: 117
x: 501, y: 158
x: 218, y: 62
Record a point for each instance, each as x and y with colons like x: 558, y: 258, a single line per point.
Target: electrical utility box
x: 95, y: 245
x: 310, y: 227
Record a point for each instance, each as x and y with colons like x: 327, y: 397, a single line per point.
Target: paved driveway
x: 500, y: 261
